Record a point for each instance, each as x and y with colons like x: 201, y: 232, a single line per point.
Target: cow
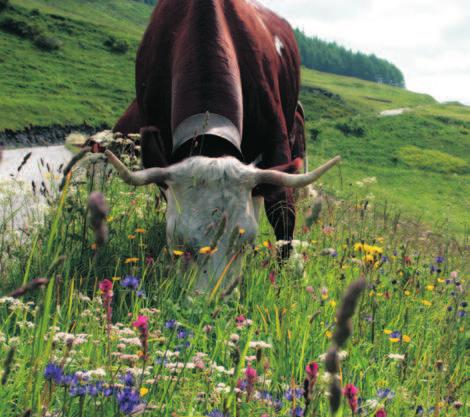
x: 217, y: 89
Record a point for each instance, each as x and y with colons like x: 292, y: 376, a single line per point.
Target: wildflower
x: 396, y: 356
x: 128, y: 400
x: 312, y: 373
x: 140, y: 230
x: 454, y: 274
x: 130, y: 282
x: 207, y: 250
x: 106, y: 288
x: 427, y: 303
x: 251, y: 377
x: 406, y: 338
x: 241, y: 231
x: 395, y: 337
x: 131, y: 237
x: 324, y: 293
x: 178, y: 252
x: 385, y: 394
x: 215, y: 413
x: 381, y: 413
x: 171, y: 324
x: 128, y: 379
x: 53, y: 373
x: 297, y: 412
x: 144, y: 391
x: 131, y: 260
x: 439, y: 259
x: 141, y: 324
x: 350, y: 392
x: 293, y: 393
x: 430, y: 287
x: 328, y: 334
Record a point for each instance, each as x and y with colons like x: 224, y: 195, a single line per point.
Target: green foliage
x: 3, y: 4
x: 333, y: 58
x: 432, y: 160
x: 19, y: 26
x: 47, y: 42
x: 351, y: 127
x: 119, y: 46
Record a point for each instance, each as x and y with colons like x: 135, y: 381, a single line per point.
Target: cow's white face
x: 210, y: 205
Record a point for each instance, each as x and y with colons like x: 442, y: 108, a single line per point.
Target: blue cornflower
x: 439, y: 259
x: 182, y: 333
x: 449, y: 309
x: 216, y: 413
x: 92, y: 390
x: 53, y: 372
x: 384, y: 259
x: 293, y: 393
x: 461, y: 313
x: 128, y: 400
x: 130, y: 282
x: 128, y: 379
x: 170, y: 324
x: 266, y: 396
x: 395, y: 335
x: 464, y: 304
x: 108, y: 391
x: 77, y: 390
x: 385, y: 394
x: 419, y: 410
x: 297, y: 412
x: 140, y: 294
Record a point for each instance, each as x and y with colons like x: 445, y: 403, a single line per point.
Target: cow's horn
x: 269, y: 176
x: 144, y: 177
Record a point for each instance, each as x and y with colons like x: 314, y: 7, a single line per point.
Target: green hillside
x: 421, y: 158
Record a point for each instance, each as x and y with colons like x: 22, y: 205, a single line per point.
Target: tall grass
x: 405, y: 353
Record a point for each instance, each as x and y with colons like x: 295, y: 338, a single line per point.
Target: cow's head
x: 210, y: 205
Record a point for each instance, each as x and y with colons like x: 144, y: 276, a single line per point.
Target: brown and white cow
x: 217, y: 85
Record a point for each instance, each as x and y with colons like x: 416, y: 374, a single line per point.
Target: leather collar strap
x: 206, y: 124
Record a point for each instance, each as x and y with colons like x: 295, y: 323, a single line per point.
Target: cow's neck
x: 206, y: 76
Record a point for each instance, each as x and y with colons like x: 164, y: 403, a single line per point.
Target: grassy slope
x: 85, y: 82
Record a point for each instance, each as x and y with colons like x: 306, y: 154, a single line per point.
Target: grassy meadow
x: 117, y: 330
x: 75, y: 351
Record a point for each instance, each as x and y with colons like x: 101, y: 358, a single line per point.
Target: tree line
x: 333, y: 58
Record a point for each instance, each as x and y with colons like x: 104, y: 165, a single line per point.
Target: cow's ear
x: 153, y: 150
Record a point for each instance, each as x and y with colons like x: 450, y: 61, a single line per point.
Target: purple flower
x: 128, y: 379
x: 130, y: 282
x: 182, y: 333
x: 77, y: 390
x: 216, y: 413
x: 395, y: 335
x: 170, y: 324
x: 297, y: 412
x: 464, y: 304
x: 128, y: 400
x: 293, y: 393
x: 53, y: 372
x: 140, y: 294
x: 385, y: 394
x: 439, y: 259
x: 461, y: 313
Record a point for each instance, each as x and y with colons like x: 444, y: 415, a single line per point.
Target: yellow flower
x: 131, y: 260
x: 324, y: 296
x: 387, y: 331
x: 427, y: 303
x: 332, y: 303
x: 371, y: 294
x: 368, y: 259
x: 406, y: 338
x: 178, y: 252
x: 266, y: 244
x: 380, y: 294
x: 207, y: 250
x: 430, y: 287
x: 94, y: 246
x: 116, y: 278
x: 110, y: 219
x: 131, y: 237
x: 241, y: 231
x: 441, y: 280
x: 407, y: 293
x: 143, y: 391
x: 141, y: 231
x: 394, y: 339
x: 328, y: 334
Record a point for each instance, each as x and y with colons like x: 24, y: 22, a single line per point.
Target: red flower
x: 272, y: 277
x: 106, y: 286
x: 251, y: 374
x: 381, y: 413
x: 142, y: 323
x: 350, y: 392
x: 312, y: 370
